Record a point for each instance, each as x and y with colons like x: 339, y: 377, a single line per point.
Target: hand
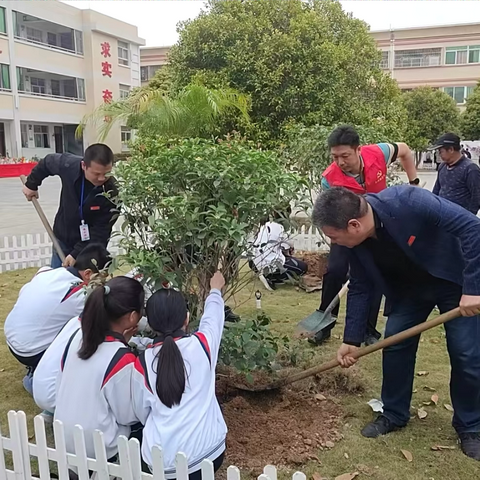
x: 129, y: 333
x: 470, y: 305
x: 69, y: 262
x: 217, y: 281
x: 344, y: 355
x: 29, y: 194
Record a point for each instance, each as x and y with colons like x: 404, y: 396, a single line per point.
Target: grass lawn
x: 380, y: 459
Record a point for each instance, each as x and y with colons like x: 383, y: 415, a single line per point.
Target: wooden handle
x: 387, y: 342
x: 46, y: 224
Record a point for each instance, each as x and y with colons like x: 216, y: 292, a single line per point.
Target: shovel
x: 387, y: 342
x: 319, y: 320
x: 46, y: 224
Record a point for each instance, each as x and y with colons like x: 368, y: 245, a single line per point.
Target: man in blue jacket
x: 422, y: 251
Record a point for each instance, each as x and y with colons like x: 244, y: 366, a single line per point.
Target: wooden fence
x: 42, y: 461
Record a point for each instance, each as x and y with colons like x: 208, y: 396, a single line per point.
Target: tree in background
x: 303, y: 61
x: 470, y: 122
x: 431, y: 113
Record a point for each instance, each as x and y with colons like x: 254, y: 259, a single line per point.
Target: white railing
x: 308, y: 239
x: 47, y: 458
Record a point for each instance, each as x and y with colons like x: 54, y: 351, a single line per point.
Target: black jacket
x: 99, y: 213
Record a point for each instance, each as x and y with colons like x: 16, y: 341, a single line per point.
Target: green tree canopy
x: 470, y: 122
x: 431, y: 113
x: 305, y: 61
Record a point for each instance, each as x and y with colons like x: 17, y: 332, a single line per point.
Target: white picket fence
x: 24, y: 251
x: 39, y: 460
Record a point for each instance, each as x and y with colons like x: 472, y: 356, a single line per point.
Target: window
x: 40, y: 136
x: 459, y: 94
x: 55, y: 86
x: 24, y: 135
x: 384, y: 60
x: 69, y: 88
x: 52, y: 39
x: 78, y: 42
x: 124, y: 91
x: 144, y: 74
x: 426, y: 57
x: 3, y: 23
x: 462, y: 55
x: 126, y: 136
x: 34, y: 35
x: 81, y: 89
x: 37, y: 85
x: 5, y: 77
x: 20, y: 79
x: 123, y: 55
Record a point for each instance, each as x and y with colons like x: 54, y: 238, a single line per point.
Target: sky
x: 157, y: 19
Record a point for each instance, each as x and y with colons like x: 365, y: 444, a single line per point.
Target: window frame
x: 3, y: 21
x: 5, y: 68
x: 44, y: 86
x: 124, y: 133
x: 124, y: 92
x: 467, y: 49
x: 43, y: 135
x: 125, y: 48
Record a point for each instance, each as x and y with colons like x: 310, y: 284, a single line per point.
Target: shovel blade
x: 314, y: 323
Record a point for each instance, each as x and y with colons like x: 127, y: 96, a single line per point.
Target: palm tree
x: 193, y: 112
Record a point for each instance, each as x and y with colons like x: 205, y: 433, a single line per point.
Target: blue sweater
x: 438, y: 235
x: 460, y: 184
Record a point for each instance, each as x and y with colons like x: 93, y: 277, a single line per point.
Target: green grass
x: 380, y: 459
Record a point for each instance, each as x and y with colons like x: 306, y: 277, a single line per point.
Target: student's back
x: 195, y: 425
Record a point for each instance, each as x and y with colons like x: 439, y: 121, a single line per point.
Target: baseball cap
x: 446, y: 140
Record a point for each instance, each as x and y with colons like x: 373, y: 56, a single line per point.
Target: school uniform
x: 44, y: 306
x: 96, y: 393
x: 46, y: 373
x: 195, y: 427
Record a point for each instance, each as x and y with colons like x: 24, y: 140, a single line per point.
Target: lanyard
x: 81, y: 199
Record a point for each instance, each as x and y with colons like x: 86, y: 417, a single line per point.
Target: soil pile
x: 317, y: 262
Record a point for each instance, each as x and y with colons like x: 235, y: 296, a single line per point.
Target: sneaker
x: 320, y: 337
x: 268, y: 284
x: 381, y: 426
x: 28, y: 383
x: 47, y: 416
x: 230, y: 316
x: 470, y: 443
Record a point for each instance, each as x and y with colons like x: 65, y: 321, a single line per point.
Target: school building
x: 446, y: 57
x: 57, y: 64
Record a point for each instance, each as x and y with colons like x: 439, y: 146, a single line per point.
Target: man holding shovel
x: 421, y: 251
x: 86, y: 212
x: 361, y: 170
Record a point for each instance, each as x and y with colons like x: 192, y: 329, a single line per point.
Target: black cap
x: 447, y: 140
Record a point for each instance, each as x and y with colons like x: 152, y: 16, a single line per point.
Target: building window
x: 20, y: 80
x: 462, y: 55
x: 3, y: 23
x: 24, y: 135
x: 144, y: 74
x: 123, y: 56
x: 124, y: 91
x: 384, y: 60
x: 37, y: 85
x: 40, y: 136
x: 5, y: 77
x: 459, y: 94
x: 34, y: 35
x: 81, y: 89
x: 78, y: 42
x: 426, y: 57
x: 55, y: 87
x: 126, y: 137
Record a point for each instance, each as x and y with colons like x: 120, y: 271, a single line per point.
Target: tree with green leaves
x: 470, y: 122
x: 304, y: 61
x: 431, y: 113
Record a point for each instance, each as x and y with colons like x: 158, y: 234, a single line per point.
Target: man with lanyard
x: 361, y: 170
x: 458, y: 178
x: 86, y: 212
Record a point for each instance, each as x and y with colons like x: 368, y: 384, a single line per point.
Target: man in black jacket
x: 86, y: 212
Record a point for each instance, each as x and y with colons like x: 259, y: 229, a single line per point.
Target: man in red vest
x: 361, y: 170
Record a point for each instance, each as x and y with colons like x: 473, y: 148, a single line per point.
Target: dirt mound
x: 317, y: 262
x: 282, y: 428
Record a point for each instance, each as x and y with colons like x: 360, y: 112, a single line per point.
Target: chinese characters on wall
x: 107, y: 95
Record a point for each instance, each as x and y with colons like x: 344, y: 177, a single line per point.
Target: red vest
x: 374, y: 171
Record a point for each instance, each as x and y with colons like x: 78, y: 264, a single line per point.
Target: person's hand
x: 129, y: 333
x: 69, y: 262
x: 470, y: 305
x: 29, y: 194
x: 217, y: 281
x: 344, y: 355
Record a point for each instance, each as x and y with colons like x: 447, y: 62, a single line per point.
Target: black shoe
x: 230, y: 316
x: 320, y: 337
x: 470, y: 443
x: 381, y: 426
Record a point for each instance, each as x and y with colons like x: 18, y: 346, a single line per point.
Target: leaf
x: 422, y: 373
x: 422, y: 413
x: 429, y: 389
x: 348, y: 476
x: 439, y: 448
x: 408, y: 455
x: 320, y: 397
x: 434, y: 399
x: 448, y: 407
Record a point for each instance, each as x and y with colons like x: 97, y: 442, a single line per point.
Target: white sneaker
x: 47, y: 416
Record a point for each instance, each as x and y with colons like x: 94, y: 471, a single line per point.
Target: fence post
x: 135, y: 459
x: 61, y: 450
x: 181, y: 463
x: 124, y: 458
x: 3, y: 472
x: 42, y: 452
x: 271, y: 472
x: 207, y: 470
x: 101, y: 461
x: 17, y: 456
x: 80, y: 453
x: 233, y: 473
x: 158, y: 465
x: 299, y: 476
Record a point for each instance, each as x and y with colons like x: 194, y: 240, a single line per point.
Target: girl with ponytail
x: 94, y: 384
x: 174, y: 382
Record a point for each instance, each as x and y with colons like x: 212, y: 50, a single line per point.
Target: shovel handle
x: 337, y: 298
x: 46, y: 224
x: 387, y: 342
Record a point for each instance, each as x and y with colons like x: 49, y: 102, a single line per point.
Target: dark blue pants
x: 463, y: 344
x: 56, y: 262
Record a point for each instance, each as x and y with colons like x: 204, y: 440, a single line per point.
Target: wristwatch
x: 414, y: 182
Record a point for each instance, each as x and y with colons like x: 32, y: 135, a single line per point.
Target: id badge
x: 84, y: 232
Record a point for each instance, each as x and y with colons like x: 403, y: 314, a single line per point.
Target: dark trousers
x: 463, y: 344
x: 30, y: 362
x: 56, y: 262
x: 292, y: 267
x: 333, y: 280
